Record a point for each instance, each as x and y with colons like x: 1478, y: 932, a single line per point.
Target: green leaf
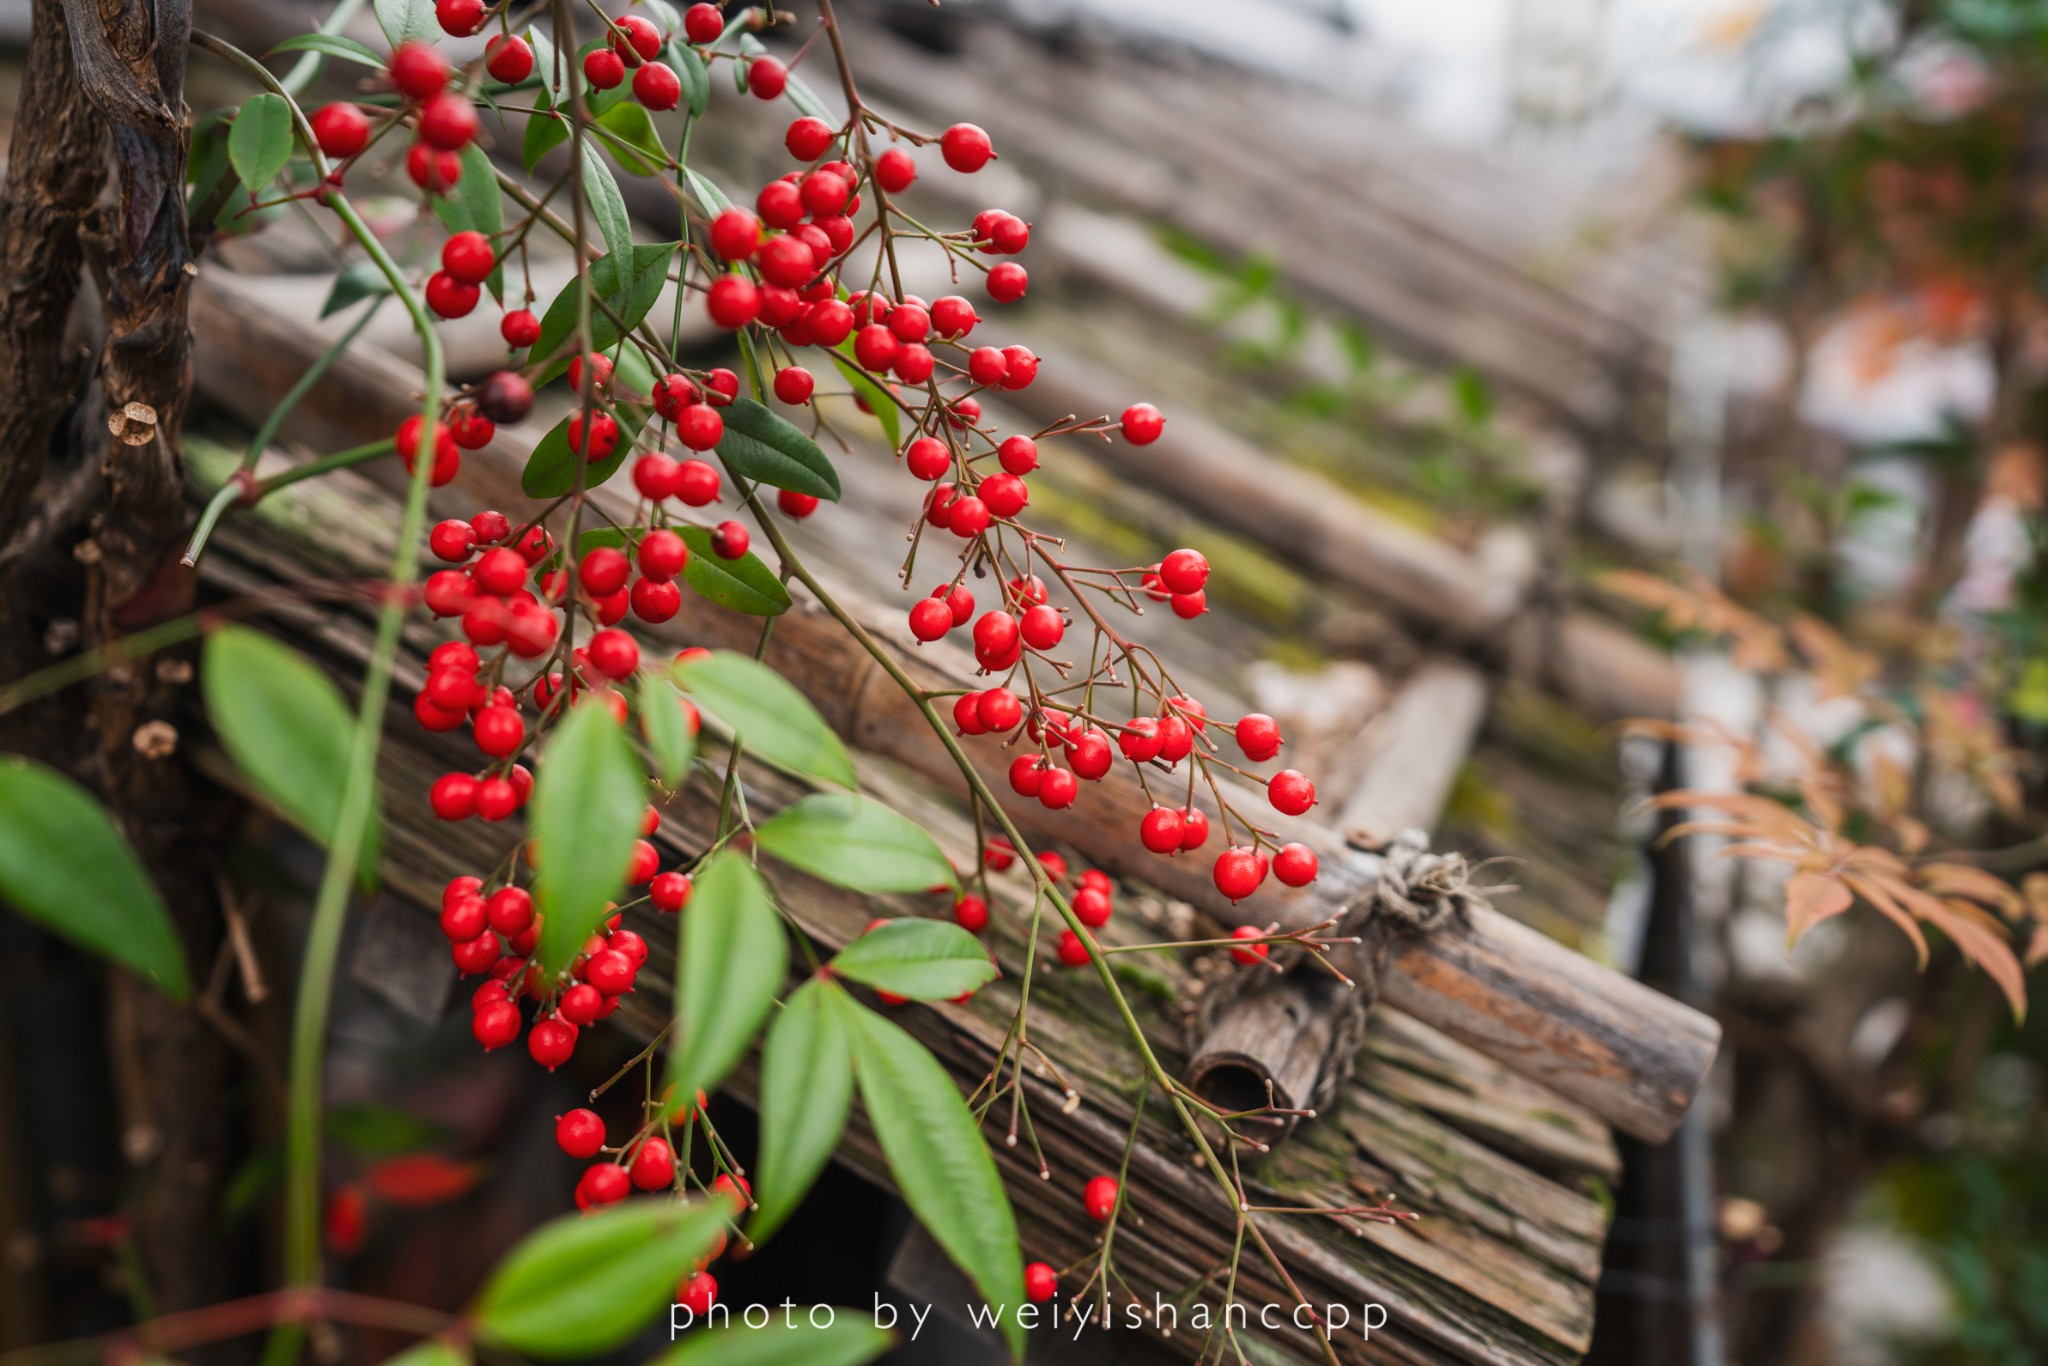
x: 806, y: 1092
x: 764, y: 446
x: 552, y: 82
x: 260, y: 143
x: 430, y: 1352
x: 607, y: 205
x: 352, y: 285
x: 768, y: 714
x: 551, y: 470
x: 65, y: 865
x: 926, y: 960
x: 696, y: 79
x: 381, y: 1130
x: 545, y: 131
x: 586, y: 815
x: 939, y: 1162
x: 668, y: 735
x: 710, y: 198
x: 743, y: 585
x: 851, y: 1341
x: 642, y: 152
x: 406, y: 21
x: 475, y: 206
x: 331, y: 45
x: 630, y: 298
x: 288, y: 728
x: 586, y: 1283
x: 878, y: 398
x: 857, y: 842
x: 729, y: 966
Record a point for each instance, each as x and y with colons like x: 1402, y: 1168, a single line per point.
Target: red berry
x: 968, y: 517
x: 1006, y: 284
x: 1258, y: 735
x: 604, y: 68
x: 1175, y: 739
x: 697, y: 480
x: 663, y: 555
x: 497, y: 798
x: 451, y: 541
x: 453, y: 796
x: 1295, y: 865
x: 1098, y: 1197
x: 418, y: 71
x: 635, y: 38
x: 603, y: 435
x: 998, y: 854
x: 1239, y: 871
x: 793, y: 384
x: 459, y: 18
x: 732, y: 301
x: 895, y: 169
x: 1000, y: 710
x: 657, y: 86
x: 670, y: 892
x: 966, y: 148
x: 656, y: 600
x: 780, y: 204
x: 471, y: 429
x: 672, y: 394
x: 468, y: 257
x: 1042, y: 627
x: 959, y: 600
x: 1092, y: 908
x: 501, y: 571
x: 1071, y: 950
x: 464, y: 919
x: 603, y: 1184
x: 1054, y: 864
x: 876, y: 347
x: 498, y: 731
x: 496, y: 1023
x: 449, y: 297
x: 580, y: 1134
x: 654, y: 1166
x: 930, y: 619
x: 997, y: 642
x: 342, y: 130
x: 604, y: 570
x: 432, y: 169
x: 613, y: 653
x: 1194, y: 829
x: 703, y: 24
x: 1041, y: 1282
x: 1058, y: 790
x: 700, y: 1292
x: 1254, y: 953
x: 729, y: 540
x: 1027, y: 773
x: 1004, y: 493
x: 1089, y: 754
x: 927, y: 458
x: 447, y: 121
x: 766, y: 77
x: 550, y: 1042
x: 967, y: 714
x: 700, y: 427
x: 970, y: 913
x: 508, y: 58
x: 808, y: 138
x: 1142, y: 424
x: 510, y: 910
x: 794, y: 504
x: 1290, y: 792
x: 735, y: 234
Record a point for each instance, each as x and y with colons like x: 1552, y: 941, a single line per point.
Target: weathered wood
x: 1632, y: 1056
x: 1417, y: 744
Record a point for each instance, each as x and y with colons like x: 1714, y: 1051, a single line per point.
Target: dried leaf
x: 1811, y: 898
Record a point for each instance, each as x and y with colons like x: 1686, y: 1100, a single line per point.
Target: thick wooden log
x: 1629, y: 1054
x: 1418, y: 745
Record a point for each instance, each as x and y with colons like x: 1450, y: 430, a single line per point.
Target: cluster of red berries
x: 444, y: 121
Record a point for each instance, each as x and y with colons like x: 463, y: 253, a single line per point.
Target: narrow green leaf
x: 406, y: 21
x: 331, y: 45
x: 551, y: 470
x: 607, y: 205
x: 353, y: 284
x: 430, y: 1352
x: 668, y: 735
x: 743, y: 585
x: 545, y: 131
x: 696, y: 79
x: 709, y: 197
x: 586, y: 815
x: 631, y: 298
x: 65, y: 865
x: 769, y: 715
x: 642, y: 153
x: 852, y: 1342
x: 553, y: 82
x: 806, y: 1092
x: 287, y: 727
x: 939, y: 1162
x: 763, y: 445
x: 729, y: 966
x: 857, y: 842
x: 926, y: 960
x: 583, y: 1284
x: 878, y: 398
x: 476, y: 205
x: 260, y: 143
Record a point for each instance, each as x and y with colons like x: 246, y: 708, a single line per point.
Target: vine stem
x: 359, y: 782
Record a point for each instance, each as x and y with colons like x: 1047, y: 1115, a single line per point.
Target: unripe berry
x: 1290, y: 792
x: 1142, y: 424
x: 1239, y: 871
x: 342, y: 130
x: 508, y: 58
x: 966, y: 148
x: 418, y: 71
x: 1295, y: 865
x: 1253, y: 953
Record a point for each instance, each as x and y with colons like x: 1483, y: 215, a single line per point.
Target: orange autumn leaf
x: 1811, y: 898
